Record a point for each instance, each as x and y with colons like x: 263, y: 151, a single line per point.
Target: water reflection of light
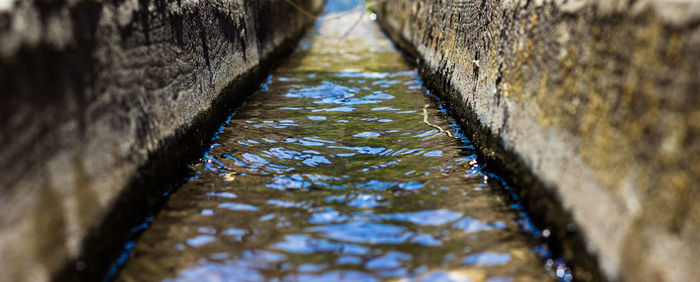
x: 312, y: 201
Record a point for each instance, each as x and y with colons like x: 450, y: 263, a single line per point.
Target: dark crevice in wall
x: 234, y: 36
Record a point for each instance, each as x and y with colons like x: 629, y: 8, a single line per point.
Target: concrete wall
x: 99, y: 97
x: 598, y: 99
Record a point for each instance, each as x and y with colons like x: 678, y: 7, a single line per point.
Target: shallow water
x: 342, y: 167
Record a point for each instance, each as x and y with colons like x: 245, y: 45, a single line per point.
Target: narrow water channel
x: 342, y: 167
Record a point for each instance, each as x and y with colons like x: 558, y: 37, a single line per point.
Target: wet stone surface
x: 336, y: 170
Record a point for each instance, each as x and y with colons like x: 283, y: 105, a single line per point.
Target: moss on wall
x: 597, y: 99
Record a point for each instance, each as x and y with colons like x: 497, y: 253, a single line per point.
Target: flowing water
x: 342, y: 167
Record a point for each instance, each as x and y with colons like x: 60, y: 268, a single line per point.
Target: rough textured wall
x: 90, y: 90
x: 598, y: 99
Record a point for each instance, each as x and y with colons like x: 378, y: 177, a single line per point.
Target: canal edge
x: 107, y: 246
x: 541, y: 201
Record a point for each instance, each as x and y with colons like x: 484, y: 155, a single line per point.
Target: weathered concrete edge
x: 158, y: 158
x: 619, y: 222
x: 161, y: 174
x: 164, y: 170
x: 540, y: 201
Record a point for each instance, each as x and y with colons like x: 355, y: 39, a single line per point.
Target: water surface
x: 342, y: 167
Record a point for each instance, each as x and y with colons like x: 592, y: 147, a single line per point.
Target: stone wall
x: 597, y: 99
x: 102, y: 103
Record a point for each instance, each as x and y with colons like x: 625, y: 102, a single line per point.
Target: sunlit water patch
x: 331, y: 173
